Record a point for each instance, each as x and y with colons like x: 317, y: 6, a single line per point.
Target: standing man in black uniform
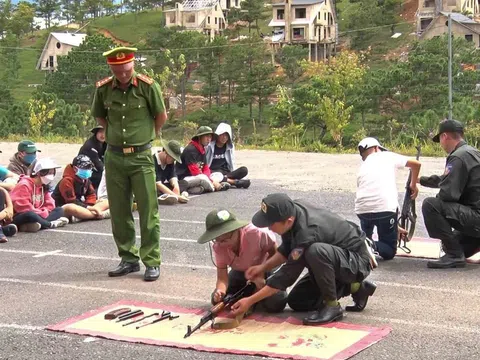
x: 457, y: 204
x: 334, y: 251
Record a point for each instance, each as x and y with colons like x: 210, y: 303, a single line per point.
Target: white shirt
x: 376, y: 183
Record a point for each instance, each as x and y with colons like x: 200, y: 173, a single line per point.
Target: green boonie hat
x: 174, y: 149
x: 203, y: 130
x: 219, y: 222
x: 28, y: 146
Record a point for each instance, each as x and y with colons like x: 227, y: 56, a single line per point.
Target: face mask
x: 47, y: 179
x: 29, y: 158
x: 84, y: 174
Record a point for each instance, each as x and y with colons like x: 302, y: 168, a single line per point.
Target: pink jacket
x: 26, y: 196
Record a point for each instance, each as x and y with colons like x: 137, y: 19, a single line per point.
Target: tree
x: 252, y: 12
x: 22, y: 19
x: 9, y: 53
x: 5, y: 15
x: 290, y: 57
x: 74, y: 80
x: 47, y: 9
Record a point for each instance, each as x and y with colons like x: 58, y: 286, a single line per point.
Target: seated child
x: 33, y: 205
x: 76, y: 190
x: 6, y: 215
x: 239, y: 245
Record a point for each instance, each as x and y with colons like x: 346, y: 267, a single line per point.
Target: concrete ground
x: 53, y: 275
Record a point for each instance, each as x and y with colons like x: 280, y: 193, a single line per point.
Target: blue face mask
x: 84, y: 174
x: 29, y: 158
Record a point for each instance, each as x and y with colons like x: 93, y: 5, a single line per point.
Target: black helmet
x: 83, y: 162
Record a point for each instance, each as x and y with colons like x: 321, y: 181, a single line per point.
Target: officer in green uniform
x: 131, y: 109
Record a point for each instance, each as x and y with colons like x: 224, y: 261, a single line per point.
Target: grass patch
x: 129, y: 27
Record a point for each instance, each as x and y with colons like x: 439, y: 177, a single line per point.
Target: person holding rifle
x: 453, y: 216
x: 376, y: 202
x: 334, y: 251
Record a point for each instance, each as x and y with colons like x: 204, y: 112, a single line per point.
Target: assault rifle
x: 408, y: 216
x: 226, y: 303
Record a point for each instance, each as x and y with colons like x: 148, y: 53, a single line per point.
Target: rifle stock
x: 408, y: 215
x: 227, y: 301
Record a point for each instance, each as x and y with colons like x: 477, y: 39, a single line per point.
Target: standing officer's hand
x: 254, y: 272
x: 241, y: 306
x: 414, y: 189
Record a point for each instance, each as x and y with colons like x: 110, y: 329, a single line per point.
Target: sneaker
x: 225, y: 186
x: 73, y: 220
x: 167, y: 199
x: 59, y: 223
x: 245, y: 184
x: 106, y: 214
x: 371, y: 253
x: 196, y: 190
x: 184, y: 194
x: 3, y: 238
x: 30, y: 227
x: 10, y: 230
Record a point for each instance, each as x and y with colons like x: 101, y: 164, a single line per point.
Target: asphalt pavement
x: 53, y: 275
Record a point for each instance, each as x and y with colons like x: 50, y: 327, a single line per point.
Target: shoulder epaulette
x: 145, y: 78
x: 103, y: 81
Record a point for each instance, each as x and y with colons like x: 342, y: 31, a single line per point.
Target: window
x: 429, y: 3
x: 216, y: 7
x: 324, y: 32
x: 228, y: 4
x: 469, y: 37
x: 215, y: 21
x: 208, y: 20
x: 236, y: 2
x: 191, y: 18
x: 50, y: 61
x: 325, y: 16
x: 329, y: 31
x: 300, y: 13
x: 58, y: 45
x: 298, y: 33
x: 280, y: 14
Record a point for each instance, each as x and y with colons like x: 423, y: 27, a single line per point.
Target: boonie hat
x: 43, y: 164
x: 368, y: 143
x: 446, y: 125
x: 219, y: 222
x: 174, y: 149
x: 28, y: 146
x: 275, y: 207
x: 203, y: 130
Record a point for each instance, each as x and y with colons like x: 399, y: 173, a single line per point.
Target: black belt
x: 130, y: 149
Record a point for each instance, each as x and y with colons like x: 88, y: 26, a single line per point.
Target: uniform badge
x: 296, y: 253
x: 223, y: 215
x: 264, y: 207
x: 120, y: 56
x: 448, y: 168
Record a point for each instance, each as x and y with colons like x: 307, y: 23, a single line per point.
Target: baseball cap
x: 83, y: 162
x: 43, y: 164
x: 368, y: 143
x: 219, y: 222
x: 446, y: 125
x: 28, y: 146
x: 275, y: 207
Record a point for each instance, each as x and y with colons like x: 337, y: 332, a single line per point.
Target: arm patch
x: 145, y: 79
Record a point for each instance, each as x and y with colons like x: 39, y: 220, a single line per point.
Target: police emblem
x: 264, y: 207
x: 120, y: 56
x: 296, y: 253
x: 223, y: 215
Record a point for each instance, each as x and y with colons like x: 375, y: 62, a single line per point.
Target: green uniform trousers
x: 127, y: 173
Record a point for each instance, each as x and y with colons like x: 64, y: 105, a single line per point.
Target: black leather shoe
x: 124, y: 268
x: 151, y: 273
x: 360, y: 298
x: 447, y: 261
x: 324, y: 316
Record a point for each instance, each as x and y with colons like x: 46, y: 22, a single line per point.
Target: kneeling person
x: 334, y: 251
x: 239, y: 245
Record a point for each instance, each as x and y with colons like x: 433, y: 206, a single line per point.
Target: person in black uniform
x: 453, y: 216
x: 95, y: 148
x: 335, y: 252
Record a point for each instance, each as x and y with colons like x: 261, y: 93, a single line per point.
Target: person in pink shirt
x: 239, y: 245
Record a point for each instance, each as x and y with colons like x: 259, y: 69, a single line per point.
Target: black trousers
x: 440, y: 217
x: 331, y: 271
x: 272, y: 304
x: 236, y: 174
x: 31, y: 217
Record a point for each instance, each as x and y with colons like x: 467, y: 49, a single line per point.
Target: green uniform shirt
x: 129, y: 113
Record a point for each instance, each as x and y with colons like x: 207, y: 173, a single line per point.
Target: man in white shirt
x: 376, y: 203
